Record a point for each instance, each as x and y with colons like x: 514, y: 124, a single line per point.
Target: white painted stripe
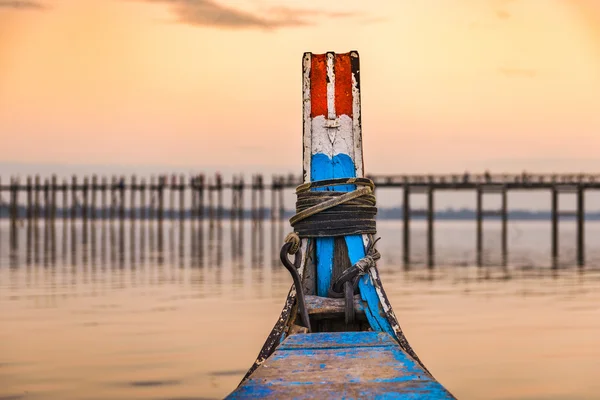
x: 307, y: 134
x: 357, y: 152
x: 330, y: 87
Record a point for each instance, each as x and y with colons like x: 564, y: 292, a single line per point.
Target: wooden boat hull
x: 340, y: 365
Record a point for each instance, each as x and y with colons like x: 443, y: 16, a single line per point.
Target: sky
x: 447, y: 85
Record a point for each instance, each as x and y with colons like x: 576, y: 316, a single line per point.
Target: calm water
x: 124, y: 312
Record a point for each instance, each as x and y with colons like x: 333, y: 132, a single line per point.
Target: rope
x: 330, y: 214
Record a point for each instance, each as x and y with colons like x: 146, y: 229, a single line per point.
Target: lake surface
x: 126, y: 312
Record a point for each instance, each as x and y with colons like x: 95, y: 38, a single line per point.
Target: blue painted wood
x: 342, y: 166
x: 347, y: 365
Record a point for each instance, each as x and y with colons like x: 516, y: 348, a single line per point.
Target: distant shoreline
x: 382, y: 214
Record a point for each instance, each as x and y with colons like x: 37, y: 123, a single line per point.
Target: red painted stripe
x: 318, y: 85
x: 343, y: 85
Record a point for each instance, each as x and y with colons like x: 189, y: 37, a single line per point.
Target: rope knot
x: 294, y: 239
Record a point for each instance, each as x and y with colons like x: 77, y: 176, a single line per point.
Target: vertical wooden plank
x: 47, y: 206
x: 253, y: 199
x: 54, y: 184
x: 133, y: 188
x: 234, y: 193
x: 240, y: 209
x: 193, y: 184
x: 85, y: 208
x: 29, y: 189
x: 201, y: 190
x: 122, y: 199
x: 274, y: 183
x: 406, y: 225
x: 161, y: 187
x: 334, y: 139
x: 73, y: 199
x: 219, y: 188
x: 479, y: 231
x: 152, y: 189
x: 280, y: 201
x: 172, y: 189
x: 554, y: 226
x: 261, y: 197
x: 181, y: 199
x: 113, y: 197
x: 504, y: 216
x: 143, y: 205
x: 580, y: 224
x: 93, y: 199
x: 36, y: 198
x: 13, y: 213
x: 430, y: 216
x: 65, y: 202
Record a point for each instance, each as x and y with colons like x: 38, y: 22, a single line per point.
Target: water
x: 122, y: 313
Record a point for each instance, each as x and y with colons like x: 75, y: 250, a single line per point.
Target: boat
x: 337, y: 335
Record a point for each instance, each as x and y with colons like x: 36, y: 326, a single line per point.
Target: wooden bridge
x: 201, y: 197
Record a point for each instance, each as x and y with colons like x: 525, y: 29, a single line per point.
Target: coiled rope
x: 323, y: 213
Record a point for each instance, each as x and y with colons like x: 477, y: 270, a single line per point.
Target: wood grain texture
x: 340, y: 365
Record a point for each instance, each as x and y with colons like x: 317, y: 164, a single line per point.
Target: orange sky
x: 446, y: 84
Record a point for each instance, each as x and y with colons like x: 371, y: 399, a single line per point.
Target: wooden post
x: 479, y: 218
x: 172, y: 189
x: 430, y: 216
x: 85, y: 207
x: 36, y: 198
x: 132, y: 206
x: 580, y: 224
x: 234, y: 196
x: 332, y: 144
x: 161, y: 187
x: 113, y: 197
x: 54, y: 184
x: 504, y: 216
x: 14, y: 187
x: 47, y: 206
x: 253, y: 193
x: 280, y: 201
x: 406, y: 225
x: 65, y: 202
x: 194, y: 193
x: 53, y: 219
x: 261, y: 197
x: 181, y: 201
x: 93, y: 204
x: 143, y: 205
x: 241, y: 199
x: 152, y: 192
x: 104, y: 203
x: 554, y: 226
x: 29, y: 189
x: 273, y: 197
x: 122, y: 199
x: 201, y: 189
x: 219, y: 188
x: 73, y: 199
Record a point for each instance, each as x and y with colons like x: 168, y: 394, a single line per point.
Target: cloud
x: 502, y: 14
x: 212, y: 13
x: 518, y: 72
x: 22, y: 5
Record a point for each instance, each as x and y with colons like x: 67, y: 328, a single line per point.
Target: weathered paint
x: 340, y: 365
x: 334, y: 139
x: 335, y: 155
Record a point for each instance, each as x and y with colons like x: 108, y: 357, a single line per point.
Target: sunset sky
x: 446, y: 84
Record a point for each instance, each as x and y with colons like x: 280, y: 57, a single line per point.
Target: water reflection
x: 143, y: 301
